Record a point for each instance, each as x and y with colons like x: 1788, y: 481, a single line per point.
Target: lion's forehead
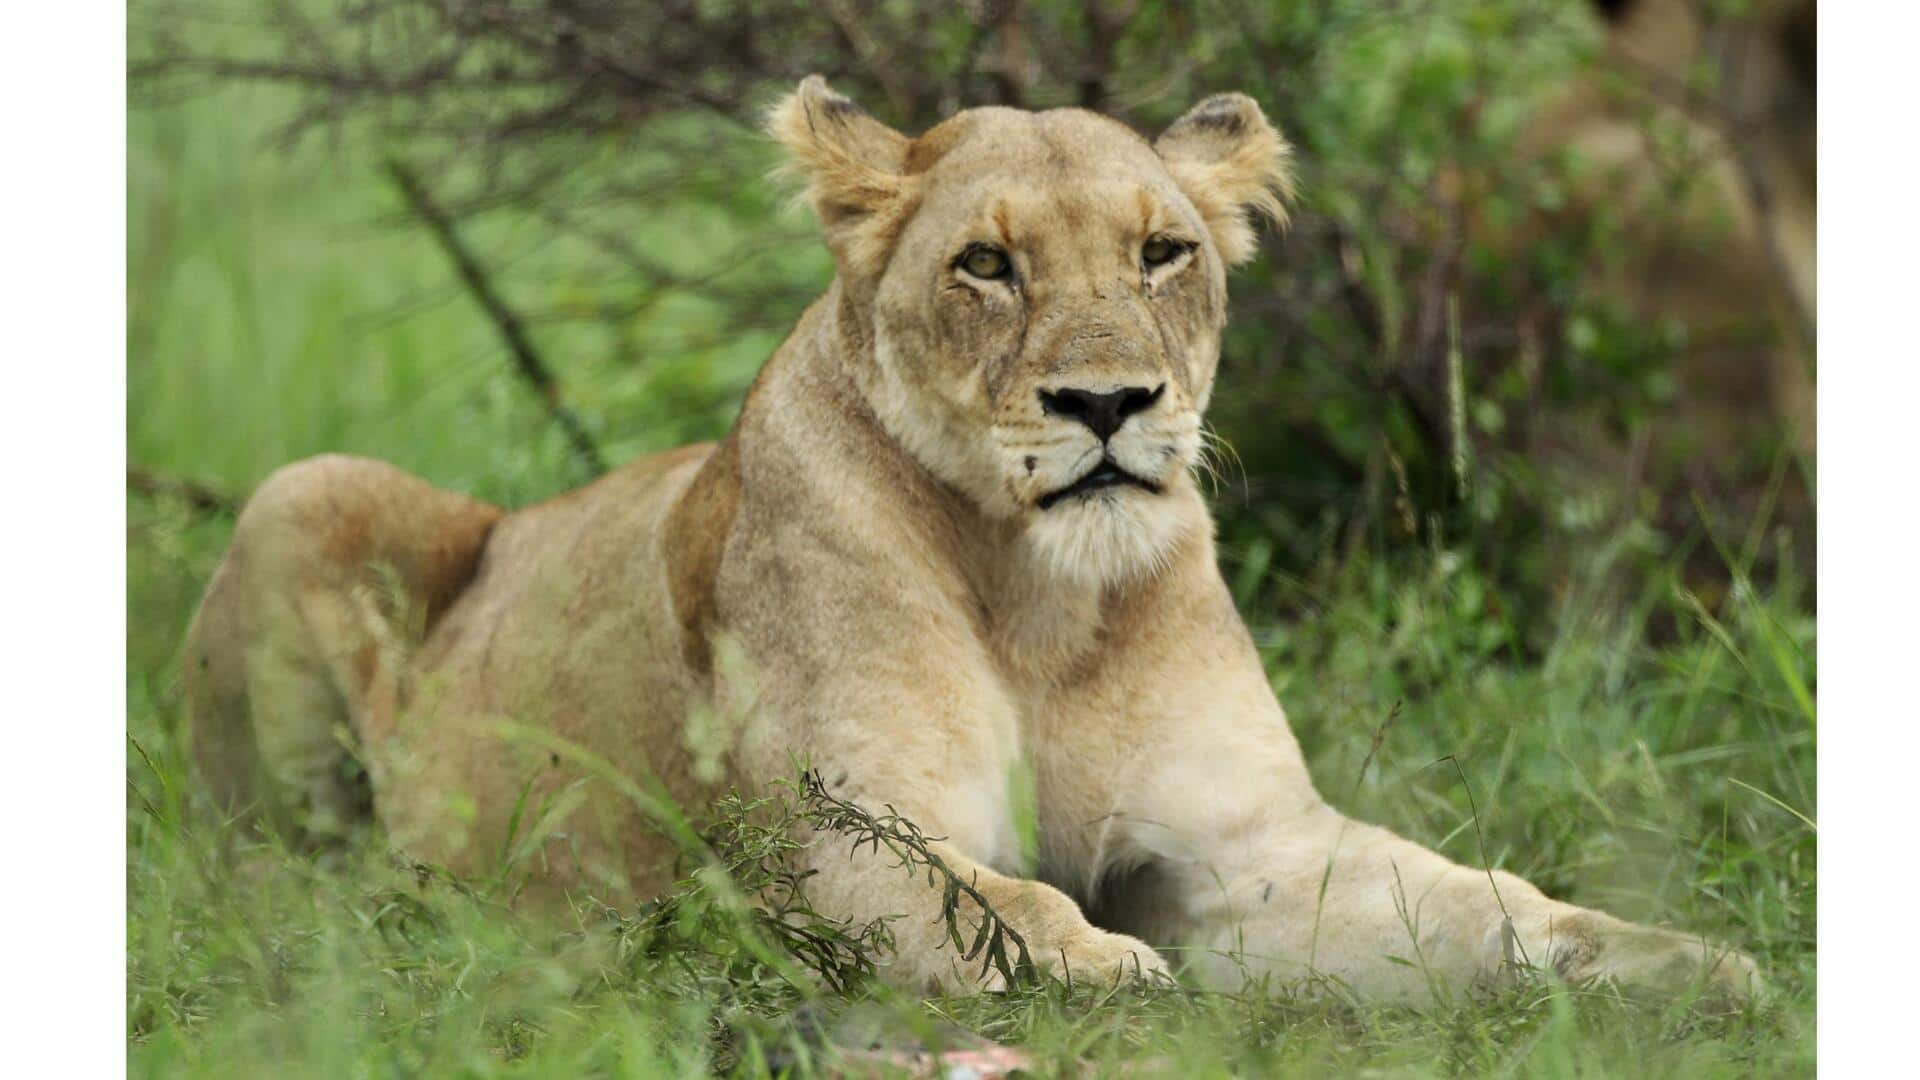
x: 1057, y: 155
x: 1057, y: 220
x: 1051, y: 140
x: 1062, y: 186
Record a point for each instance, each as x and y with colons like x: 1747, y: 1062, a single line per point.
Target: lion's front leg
x: 1252, y: 874
x: 900, y: 726
x: 909, y: 830
x: 1238, y: 863
x: 942, y: 951
x: 1321, y: 896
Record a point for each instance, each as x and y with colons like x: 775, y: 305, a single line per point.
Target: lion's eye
x: 1159, y: 251
x: 985, y: 262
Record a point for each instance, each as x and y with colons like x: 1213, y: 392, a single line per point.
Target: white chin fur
x: 1109, y: 537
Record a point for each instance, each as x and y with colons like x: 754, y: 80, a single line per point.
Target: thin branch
x: 196, y: 496
x: 1486, y: 864
x: 526, y: 359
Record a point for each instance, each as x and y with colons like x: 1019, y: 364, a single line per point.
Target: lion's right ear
x: 853, y: 168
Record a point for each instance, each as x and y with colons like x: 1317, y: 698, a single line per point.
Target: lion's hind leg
x: 333, y: 559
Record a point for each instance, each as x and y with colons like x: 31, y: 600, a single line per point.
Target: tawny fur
x: 861, y: 576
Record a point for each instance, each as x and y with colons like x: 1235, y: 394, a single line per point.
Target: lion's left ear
x: 1235, y: 167
x: 853, y: 166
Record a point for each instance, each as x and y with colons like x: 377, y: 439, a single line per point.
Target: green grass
x: 1655, y: 759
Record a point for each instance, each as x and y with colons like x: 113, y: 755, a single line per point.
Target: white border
x: 62, y: 437
x: 63, y: 537
x: 1869, y: 529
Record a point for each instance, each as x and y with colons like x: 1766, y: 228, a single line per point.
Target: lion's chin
x: 1108, y: 537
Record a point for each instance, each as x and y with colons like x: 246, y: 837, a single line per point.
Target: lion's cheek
x: 977, y: 337
x: 1191, y: 327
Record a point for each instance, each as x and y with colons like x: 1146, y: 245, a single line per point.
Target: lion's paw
x: 1100, y: 957
x: 1593, y: 948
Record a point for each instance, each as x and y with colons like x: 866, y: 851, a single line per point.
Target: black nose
x: 1103, y: 413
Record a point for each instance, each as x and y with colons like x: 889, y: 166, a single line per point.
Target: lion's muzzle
x: 1104, y: 475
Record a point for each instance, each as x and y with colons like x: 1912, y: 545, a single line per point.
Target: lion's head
x: 1034, y: 302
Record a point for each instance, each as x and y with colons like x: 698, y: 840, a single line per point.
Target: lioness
x: 951, y: 541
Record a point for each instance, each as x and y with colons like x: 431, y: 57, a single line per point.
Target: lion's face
x: 1046, y: 299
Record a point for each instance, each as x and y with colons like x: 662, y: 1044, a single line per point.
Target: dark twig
x: 1379, y: 740
x: 526, y: 359
x: 196, y: 496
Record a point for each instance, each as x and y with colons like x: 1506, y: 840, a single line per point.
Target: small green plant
x: 747, y: 900
x: 907, y: 845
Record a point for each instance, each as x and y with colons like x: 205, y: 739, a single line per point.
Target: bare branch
x: 526, y: 359
x: 196, y: 496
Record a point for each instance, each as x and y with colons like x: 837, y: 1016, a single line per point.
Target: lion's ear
x: 853, y: 168
x: 1235, y: 167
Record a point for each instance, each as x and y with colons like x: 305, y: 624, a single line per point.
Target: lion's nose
x: 1103, y: 413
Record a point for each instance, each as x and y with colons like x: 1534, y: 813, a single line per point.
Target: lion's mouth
x: 1104, y: 475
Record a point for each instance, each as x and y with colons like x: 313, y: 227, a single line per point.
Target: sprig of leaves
x: 911, y: 850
